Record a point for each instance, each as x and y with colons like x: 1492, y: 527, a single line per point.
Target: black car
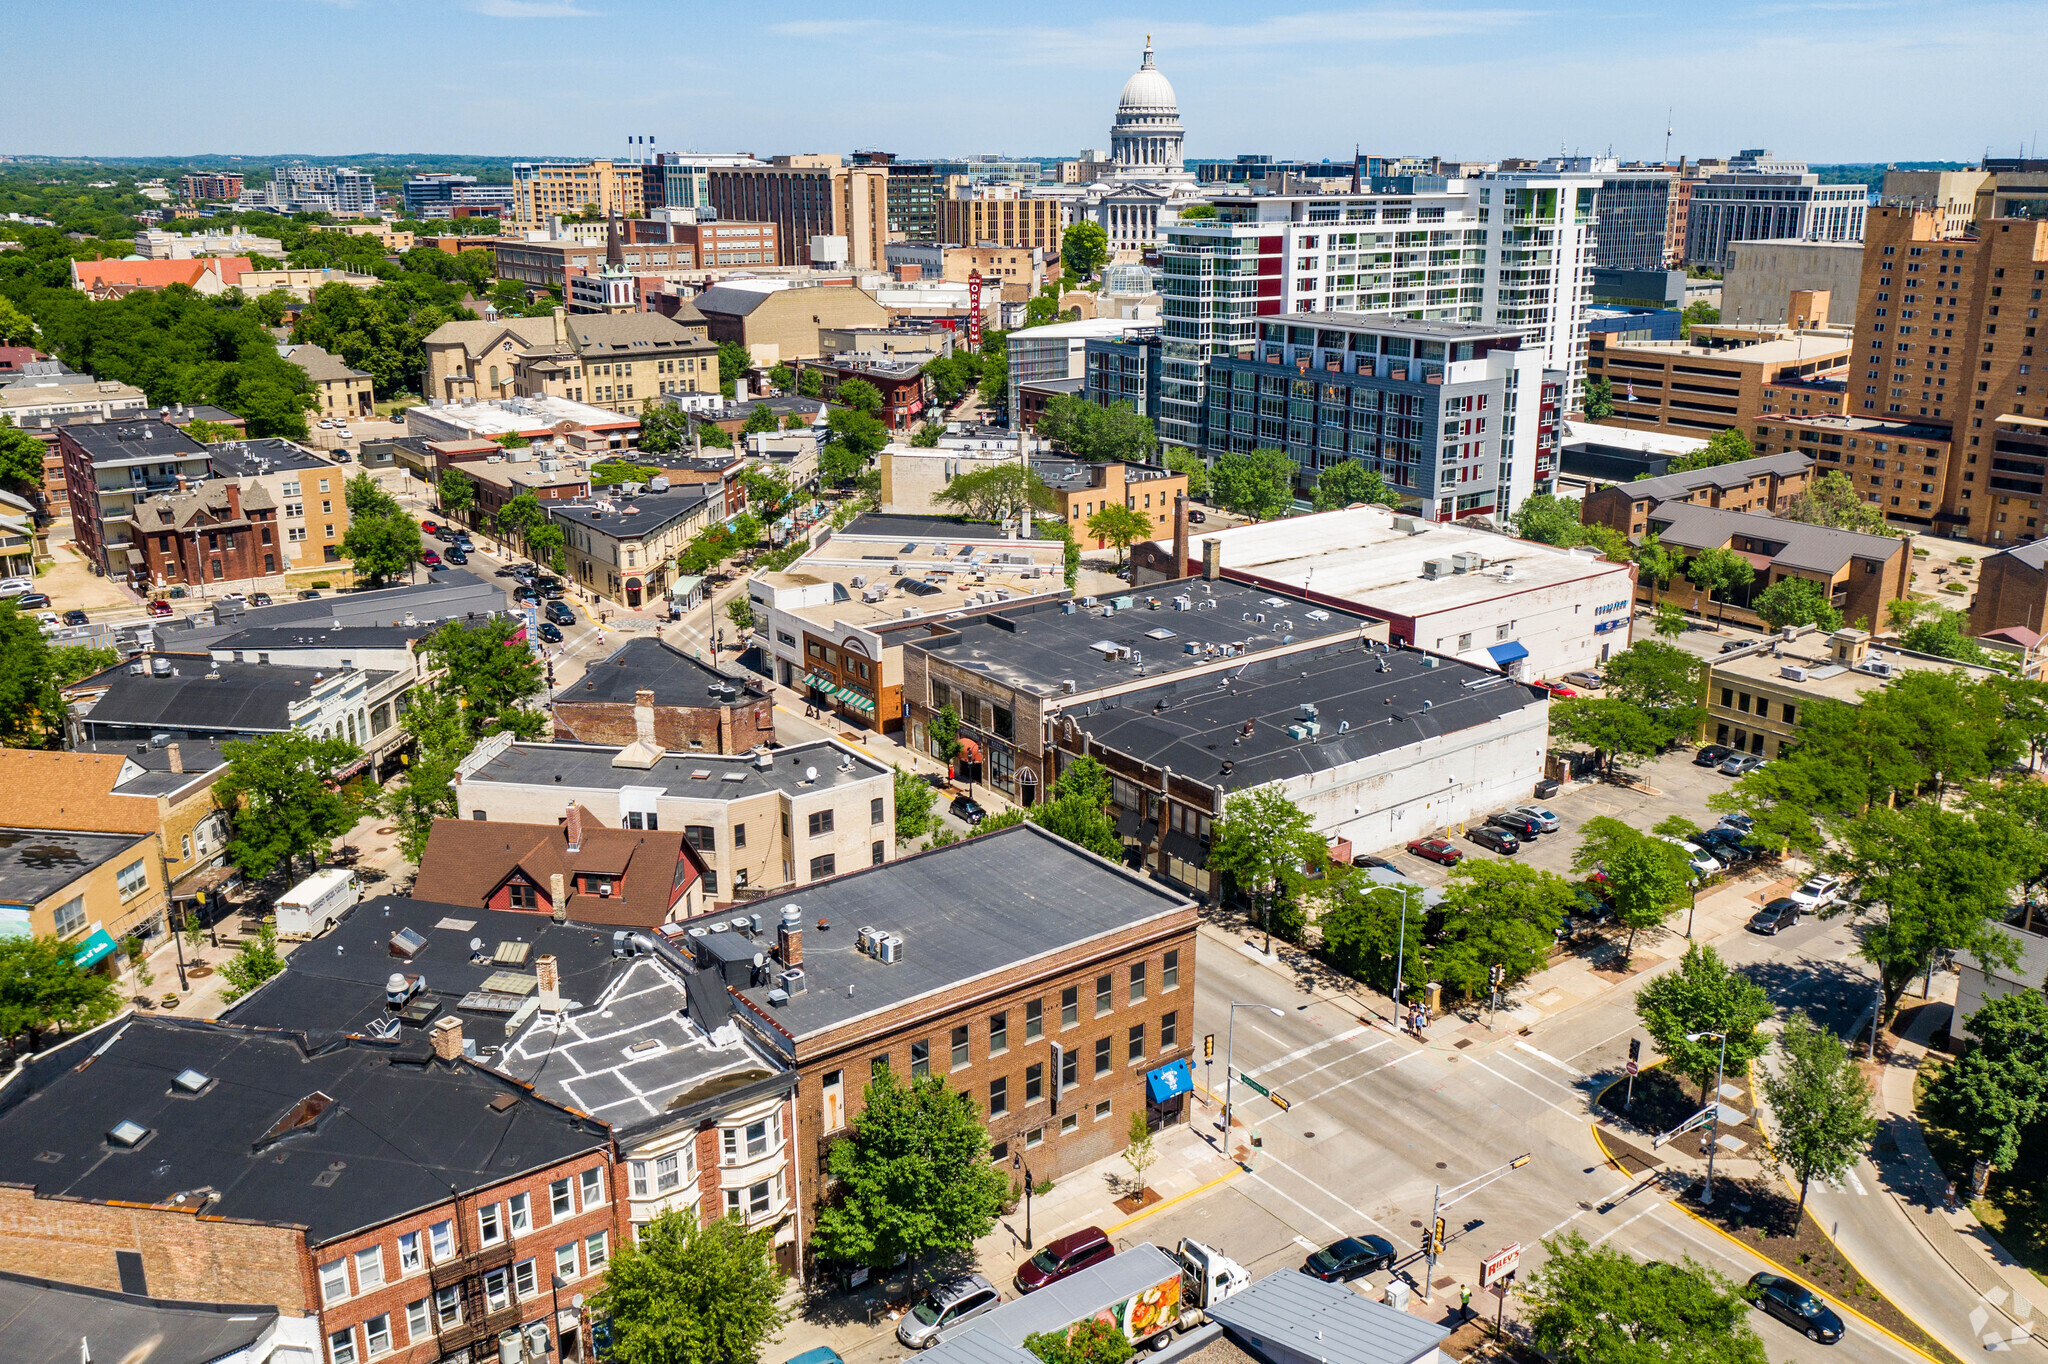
x: 1726, y: 845
x: 455, y: 556
x: 74, y: 617
x: 1347, y: 1259
x: 1711, y: 755
x: 259, y: 599
x: 523, y: 593
x: 969, y: 809
x: 1500, y: 840
x: 1797, y: 1306
x: 33, y: 601
x: 508, y: 571
x: 551, y: 591
x: 550, y: 632
x: 559, y: 613
x: 1780, y: 913
x: 444, y: 534
x: 308, y: 595
x: 1374, y: 862
x: 1515, y: 822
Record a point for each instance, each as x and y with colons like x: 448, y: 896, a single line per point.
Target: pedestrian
x: 1949, y: 1196
x: 1465, y: 1303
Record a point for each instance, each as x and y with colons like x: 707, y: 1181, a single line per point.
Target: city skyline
x: 513, y: 78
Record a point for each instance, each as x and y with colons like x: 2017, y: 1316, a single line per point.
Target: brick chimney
x: 789, y: 938
x: 557, y: 899
x: 177, y: 759
x: 643, y: 716
x: 447, y: 1037
x: 1212, y: 559
x: 234, y: 492
x: 549, y: 973
x: 1180, y: 534
x: 572, y: 824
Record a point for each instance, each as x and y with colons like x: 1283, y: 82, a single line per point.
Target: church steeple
x: 614, y: 251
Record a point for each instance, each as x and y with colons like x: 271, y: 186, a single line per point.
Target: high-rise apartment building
x: 438, y: 195
x: 202, y: 188
x: 1952, y: 194
x: 299, y: 188
x: 806, y: 197
x: 684, y: 175
x: 1000, y: 215
x: 1760, y: 198
x: 913, y: 195
x: 1635, y: 217
x: 544, y: 189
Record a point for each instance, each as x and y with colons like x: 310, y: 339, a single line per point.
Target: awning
x: 970, y: 750
x: 1170, y: 1082
x: 97, y: 945
x: 822, y: 684
x: 1504, y: 654
x: 1129, y: 823
x: 856, y: 700
x: 1186, y: 847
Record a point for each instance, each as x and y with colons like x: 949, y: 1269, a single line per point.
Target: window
x: 334, y: 1281
x: 1070, y: 1068
x: 960, y: 1053
x: 835, y: 1100
x: 1137, y: 1052
x: 565, y: 1260
x: 1169, y: 971
x: 879, y: 1064
x: 490, y: 1225
x: 1034, y: 1082
x: 441, y: 1241
x: 739, y: 835
x: 71, y: 916
x: 998, y: 1034
x: 1105, y: 991
x: 559, y: 1203
x: 133, y: 880
x: 523, y: 1282
x: 876, y: 852
x: 920, y: 1059
x: 521, y: 1206
x: 1137, y: 981
x: 1070, y: 1006
x: 668, y: 1172
x: 377, y: 1333
x: 1035, y: 1137
x: 702, y: 837
x: 998, y: 1097
x: 448, y: 1304
x: 497, y: 1290
x: 821, y: 867
x: 875, y: 810
x: 752, y: 1141
x: 596, y: 1250
x: 1069, y: 1124
x: 1103, y: 1047
x: 1169, y: 1032
x: 341, y: 1347
x: 1034, y: 1020
x: 821, y: 822
x: 593, y: 1188
x: 1101, y: 1110
x: 409, y: 1252
x: 369, y: 1269
x: 417, y: 1322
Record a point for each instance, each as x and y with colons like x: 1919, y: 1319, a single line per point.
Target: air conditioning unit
x: 1464, y: 562
x: 889, y: 949
x: 1791, y: 672
x: 1437, y: 568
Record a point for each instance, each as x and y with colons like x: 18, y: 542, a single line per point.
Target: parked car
x: 549, y: 631
x: 969, y: 809
x: 1197, y: 517
x: 1345, y: 1260
x: 455, y: 555
x: 445, y: 534
x: 1797, y: 1306
x: 551, y: 591
x: 1727, y: 845
x: 1070, y: 1254
x: 1818, y: 892
x: 1367, y: 861
x: 463, y: 542
x: 1739, y: 822
x: 75, y: 617
x: 259, y: 599
x: 234, y: 598
x: 326, y: 425
x: 1546, y: 819
x: 1703, y: 866
x: 14, y: 587
x: 1587, y: 680
x: 429, y: 528
x: 523, y: 593
x: 1439, y: 850
x: 940, y: 1314
x: 1713, y: 755
x: 1741, y: 764
x: 1735, y: 644
x: 559, y: 613
x: 508, y: 571
x: 431, y: 558
x: 1517, y: 823
x: 1498, y: 839
x: 1557, y: 689
x: 308, y: 595
x: 33, y: 601
x: 1779, y: 913
x: 159, y: 607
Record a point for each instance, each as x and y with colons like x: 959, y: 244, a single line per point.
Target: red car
x: 431, y: 559
x: 1557, y: 688
x: 159, y: 607
x: 1440, y: 850
x: 429, y: 527
x: 1069, y: 1255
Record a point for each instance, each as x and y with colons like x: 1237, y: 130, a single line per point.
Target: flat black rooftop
x: 334, y: 985
x: 37, y: 863
x: 42, y: 1321
x: 569, y: 767
x: 399, y: 1132
x: 244, y: 697
x: 133, y: 438
x: 267, y: 455
x: 1367, y: 703
x: 631, y: 517
x: 891, y: 527
x: 675, y: 678
x: 1038, y: 647
x: 964, y: 911
x: 276, y: 638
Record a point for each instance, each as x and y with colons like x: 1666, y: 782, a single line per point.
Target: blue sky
x: 1835, y: 80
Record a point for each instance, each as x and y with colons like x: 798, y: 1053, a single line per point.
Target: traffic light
x: 1635, y: 1049
x: 1496, y: 976
x: 1436, y: 1238
x: 1209, y: 1047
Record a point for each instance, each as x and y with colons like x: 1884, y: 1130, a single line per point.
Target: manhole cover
x: 1441, y: 1166
x: 387, y: 828
x: 1416, y: 1223
x: 1462, y: 1043
x: 1308, y: 1136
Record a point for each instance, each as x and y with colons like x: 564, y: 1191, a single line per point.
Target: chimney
x: 1212, y: 559
x: 555, y: 898
x: 550, y: 977
x: 643, y: 716
x: 177, y: 759
x: 572, y: 823
x: 789, y: 938
x: 1180, y: 534
x: 561, y: 329
x: 234, y: 491
x: 447, y: 1037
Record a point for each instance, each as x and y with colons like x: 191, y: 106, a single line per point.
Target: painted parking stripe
x: 1308, y: 1050
x: 1546, y: 1056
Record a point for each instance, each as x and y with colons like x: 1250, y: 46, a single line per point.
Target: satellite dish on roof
x: 476, y: 944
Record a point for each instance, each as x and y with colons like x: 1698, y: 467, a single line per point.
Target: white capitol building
x: 1147, y: 185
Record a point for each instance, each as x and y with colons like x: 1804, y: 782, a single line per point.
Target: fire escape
x: 475, y: 1336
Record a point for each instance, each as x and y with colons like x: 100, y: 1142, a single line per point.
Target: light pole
x: 1433, y: 1233
x: 1713, y: 1140
x: 1400, y: 952
x: 1017, y: 1162
x: 1229, y: 1060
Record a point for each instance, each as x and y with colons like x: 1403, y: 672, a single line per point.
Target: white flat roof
x: 954, y: 574
x: 1357, y: 556
x: 492, y: 417
x: 1631, y: 438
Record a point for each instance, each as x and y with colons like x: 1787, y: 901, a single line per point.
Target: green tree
x: 927, y: 436
x: 1268, y: 846
x: 456, y: 491
x: 993, y: 387
x: 1668, y: 620
x: 951, y: 376
x: 858, y: 430
x: 733, y: 364
x: 1117, y: 526
x: 281, y: 800
x: 782, y: 376
x: 1600, y: 1305
x: 21, y: 455
x: 16, y: 327
x: 1996, y: 1096
x: 1664, y: 682
x: 914, y: 1176
x: 1699, y: 314
x: 944, y: 731
x: 1190, y: 465
x: 42, y: 987
x: 1657, y: 562
x: 70, y: 662
x: 1086, y: 1342
x: 1726, y: 447
x: 740, y: 611
x: 681, y: 1292
x: 382, y: 547
x: 493, y: 676
x: 767, y: 492
x: 1084, y: 249
x: 838, y: 463
x: 1259, y: 485
x: 664, y: 429
x: 1611, y: 727
x: 810, y: 383
x: 914, y: 797
x: 1943, y: 633
x: 210, y: 433
x: 1502, y: 914
x: 1796, y: 601
x: 1097, y: 433
x: 1832, y: 500
x: 1547, y: 519
x: 998, y: 493
x: 712, y: 435
x: 1342, y: 485
x: 1704, y: 996
x: 1648, y: 879
x: 31, y: 708
x: 424, y: 794
x: 1363, y: 929
x: 518, y: 517
x: 1077, y: 809
x: 256, y: 961
x: 1820, y: 1104
x: 544, y: 544
x: 364, y: 497
x: 1720, y: 573
x: 762, y: 418
x: 860, y: 395
x: 1599, y: 399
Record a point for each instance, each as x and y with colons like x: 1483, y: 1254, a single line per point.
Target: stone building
x: 651, y: 691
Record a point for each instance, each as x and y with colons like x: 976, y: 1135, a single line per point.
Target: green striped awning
x: 813, y: 680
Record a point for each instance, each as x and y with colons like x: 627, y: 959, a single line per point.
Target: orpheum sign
x: 974, y: 311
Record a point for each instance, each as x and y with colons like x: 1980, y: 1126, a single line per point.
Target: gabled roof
x: 321, y: 366
x: 479, y: 337
x: 1667, y: 486
x: 84, y: 790
x: 732, y: 302
x: 467, y: 861
x: 1794, y: 543
x: 155, y: 274
x: 599, y: 336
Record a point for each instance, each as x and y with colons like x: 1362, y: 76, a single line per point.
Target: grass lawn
x: 2016, y: 1208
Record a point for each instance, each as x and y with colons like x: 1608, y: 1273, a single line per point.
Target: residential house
x: 1862, y: 574
x: 576, y: 868
x: 1763, y: 485
x: 339, y: 391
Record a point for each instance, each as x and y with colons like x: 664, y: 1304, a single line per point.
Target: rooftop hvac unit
x: 1789, y: 632
x: 1874, y: 668
x: 1437, y: 568
x: 895, y: 570
x: 889, y: 949
x: 792, y: 981
x: 1792, y: 673
x: 1407, y: 525
x: 1191, y: 647
x: 1464, y: 561
x: 874, y: 594
x: 657, y: 484
x: 866, y: 939
x: 860, y: 580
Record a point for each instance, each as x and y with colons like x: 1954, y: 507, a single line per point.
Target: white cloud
x: 823, y: 28
x: 532, y: 9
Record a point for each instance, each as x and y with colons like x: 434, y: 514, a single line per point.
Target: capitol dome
x: 1148, y: 91
x: 1145, y: 140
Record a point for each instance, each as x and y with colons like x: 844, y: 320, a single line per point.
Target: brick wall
x: 679, y: 729
x: 2009, y: 593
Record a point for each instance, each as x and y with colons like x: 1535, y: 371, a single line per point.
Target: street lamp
x: 1017, y: 1162
x: 1713, y: 1142
x: 1229, y: 1056
x: 1400, y: 952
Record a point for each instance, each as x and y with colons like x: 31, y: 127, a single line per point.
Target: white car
x: 326, y: 425
x: 49, y: 622
x: 1817, y: 893
x: 14, y: 587
x: 1703, y: 863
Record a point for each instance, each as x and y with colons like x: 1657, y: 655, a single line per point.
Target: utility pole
x: 1713, y: 1110
x: 1433, y: 1231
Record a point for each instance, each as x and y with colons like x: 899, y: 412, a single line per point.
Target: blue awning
x: 97, y: 945
x: 1169, y: 1082
x: 1504, y: 654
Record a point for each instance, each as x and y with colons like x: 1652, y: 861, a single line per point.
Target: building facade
x: 1750, y: 485
x: 545, y: 189
x: 1761, y: 198
x: 111, y: 469
x: 806, y: 197
x: 1715, y: 381
x: 998, y: 215
x: 1862, y: 574
x: 1762, y: 276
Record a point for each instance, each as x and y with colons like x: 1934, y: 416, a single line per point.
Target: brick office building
x: 688, y: 705
x: 1042, y: 981
x: 218, y: 531
x: 412, y: 1201
x: 1762, y: 484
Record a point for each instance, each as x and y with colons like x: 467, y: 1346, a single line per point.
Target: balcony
x: 471, y: 1265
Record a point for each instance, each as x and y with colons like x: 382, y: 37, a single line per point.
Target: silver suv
x: 940, y: 1314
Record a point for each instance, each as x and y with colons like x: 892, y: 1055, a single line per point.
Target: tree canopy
x: 1503, y: 914
x: 1704, y: 995
x: 998, y: 493
x: 1796, y: 601
x: 381, y: 541
x: 1118, y: 526
x: 681, y: 1292
x: 1259, y: 484
x: 1832, y: 500
x: 1725, y: 447
x: 1648, y: 879
x: 1084, y: 249
x: 1101, y: 434
x: 1821, y: 1104
x: 1342, y: 485
x: 1996, y: 1095
x: 1268, y: 845
x: 42, y: 987
x: 281, y: 800
x: 1077, y: 809
x: 1599, y: 1305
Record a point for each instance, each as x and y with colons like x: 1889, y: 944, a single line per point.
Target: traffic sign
x: 1254, y: 1086
x: 1284, y: 1105
x: 1632, y: 1068
x: 1500, y: 1264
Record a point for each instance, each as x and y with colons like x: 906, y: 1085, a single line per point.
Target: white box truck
x: 310, y: 908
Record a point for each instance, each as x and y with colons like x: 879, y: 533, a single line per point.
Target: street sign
x: 1284, y: 1105
x: 1253, y: 1085
x: 1631, y: 1067
x: 1500, y: 1264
